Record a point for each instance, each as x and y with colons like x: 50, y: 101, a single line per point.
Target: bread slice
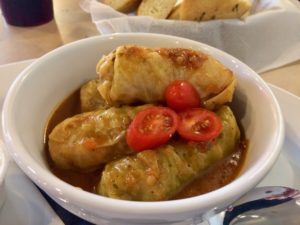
x: 175, y: 13
x: 202, y: 10
x: 156, y: 8
x: 124, y: 6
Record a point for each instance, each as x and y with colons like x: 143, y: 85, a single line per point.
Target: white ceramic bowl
x: 43, y: 85
x: 4, y: 160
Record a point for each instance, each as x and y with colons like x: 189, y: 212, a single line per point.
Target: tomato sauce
x: 215, y: 177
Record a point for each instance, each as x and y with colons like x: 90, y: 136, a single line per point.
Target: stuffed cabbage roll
x: 137, y: 74
x: 86, y: 141
x: 154, y: 175
x: 90, y: 99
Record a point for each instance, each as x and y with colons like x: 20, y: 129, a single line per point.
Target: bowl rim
x: 46, y: 180
x: 4, y: 162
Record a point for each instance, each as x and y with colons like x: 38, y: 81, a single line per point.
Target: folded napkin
x: 268, y: 38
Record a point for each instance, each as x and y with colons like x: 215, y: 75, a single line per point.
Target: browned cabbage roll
x: 86, y: 141
x: 133, y: 74
x: 90, y: 99
x: 155, y: 175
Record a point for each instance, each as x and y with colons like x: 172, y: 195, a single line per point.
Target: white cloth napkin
x: 267, y: 39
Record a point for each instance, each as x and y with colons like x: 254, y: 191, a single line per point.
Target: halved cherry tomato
x: 151, y: 128
x: 181, y: 95
x: 199, y: 125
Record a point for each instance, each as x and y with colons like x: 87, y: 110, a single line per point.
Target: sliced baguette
x: 175, y: 13
x: 156, y: 8
x: 202, y: 10
x: 124, y: 6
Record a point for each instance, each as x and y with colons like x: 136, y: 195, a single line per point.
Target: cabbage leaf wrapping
x: 133, y: 74
x: 155, y: 175
x: 88, y: 140
x: 90, y: 99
